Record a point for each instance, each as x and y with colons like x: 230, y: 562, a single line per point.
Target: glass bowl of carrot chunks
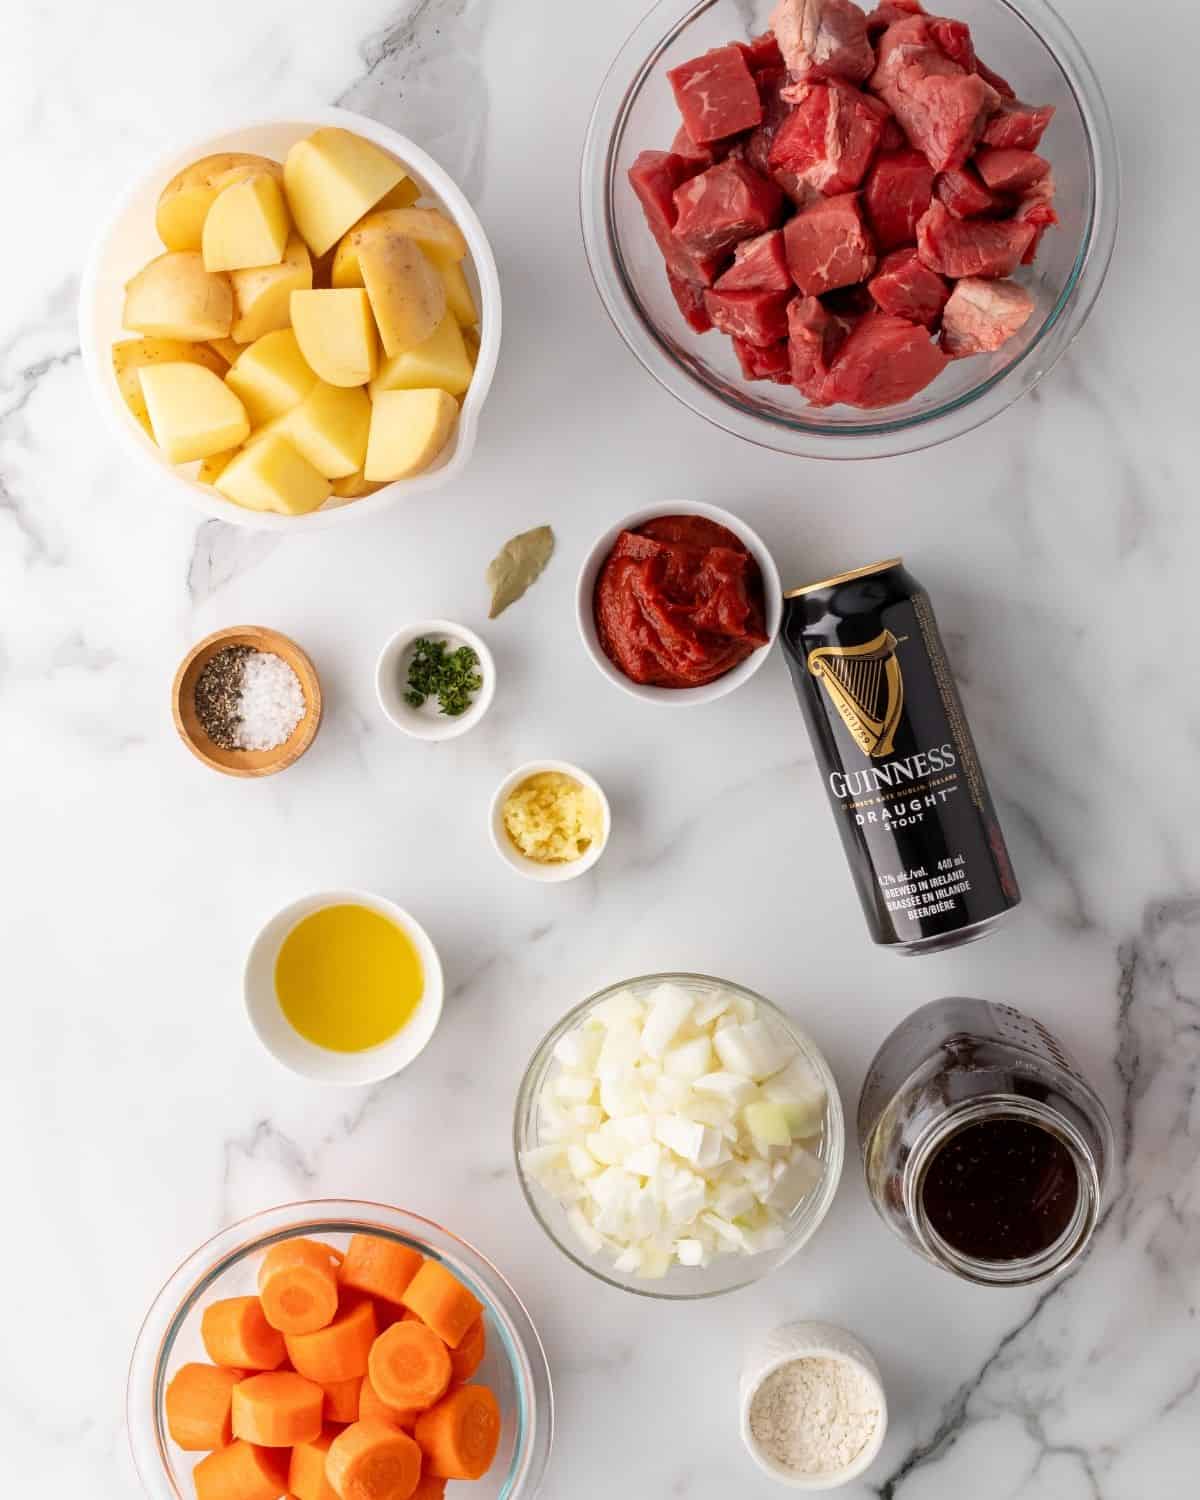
x: 339, y: 1350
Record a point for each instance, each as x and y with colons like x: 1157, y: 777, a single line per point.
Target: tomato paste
x: 679, y: 602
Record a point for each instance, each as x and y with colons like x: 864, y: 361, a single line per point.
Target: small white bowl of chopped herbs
x: 435, y: 680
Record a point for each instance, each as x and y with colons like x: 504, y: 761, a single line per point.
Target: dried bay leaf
x: 517, y: 565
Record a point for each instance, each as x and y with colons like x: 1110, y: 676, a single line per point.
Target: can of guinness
x: 899, y: 764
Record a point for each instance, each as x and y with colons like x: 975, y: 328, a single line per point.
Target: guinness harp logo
x: 866, y: 687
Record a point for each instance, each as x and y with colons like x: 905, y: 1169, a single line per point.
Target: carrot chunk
x: 338, y: 1352
x: 429, y: 1488
x: 370, y: 1405
x: 373, y: 1460
x: 341, y: 1399
x: 467, y: 1358
x: 198, y: 1405
x: 297, y: 1285
x: 442, y: 1303
x: 241, y: 1472
x: 306, y: 1471
x: 277, y: 1409
x: 460, y: 1435
x: 379, y: 1267
x: 236, y: 1335
x: 409, y: 1367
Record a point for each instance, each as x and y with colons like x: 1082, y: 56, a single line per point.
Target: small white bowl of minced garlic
x: 550, y: 821
x: 813, y: 1410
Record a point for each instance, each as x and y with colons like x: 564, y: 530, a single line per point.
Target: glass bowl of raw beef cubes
x: 845, y: 232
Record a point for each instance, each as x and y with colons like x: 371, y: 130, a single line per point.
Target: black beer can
x: 897, y: 758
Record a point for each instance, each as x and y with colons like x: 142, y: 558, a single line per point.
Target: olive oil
x: 347, y: 978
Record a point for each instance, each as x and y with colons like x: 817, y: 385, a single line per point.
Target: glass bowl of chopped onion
x: 678, y: 1136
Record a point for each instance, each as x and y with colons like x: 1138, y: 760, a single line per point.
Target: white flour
x: 815, y: 1415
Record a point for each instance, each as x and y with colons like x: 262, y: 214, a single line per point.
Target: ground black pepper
x: 218, y: 694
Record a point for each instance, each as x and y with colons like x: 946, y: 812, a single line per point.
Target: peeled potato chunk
x: 184, y: 203
x: 214, y: 464
x: 408, y: 431
x: 354, y: 486
x: 458, y: 293
x: 403, y: 195
x: 174, y: 297
x: 441, y: 361
x: 247, y: 225
x: 271, y: 376
x: 130, y: 355
x: 193, y: 413
x: 228, y: 349
x: 330, y: 427
x: 332, y: 178
x: 336, y: 333
x: 405, y: 291
x: 271, y: 475
x: 262, y: 294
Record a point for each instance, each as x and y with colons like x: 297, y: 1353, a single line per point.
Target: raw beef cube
x: 814, y: 337
x: 690, y: 299
x: 964, y: 194
x: 654, y: 177
x: 759, y: 265
x: 771, y: 363
x: 823, y: 39
x: 775, y: 111
x: 971, y: 247
x: 942, y: 108
x: 887, y: 12
x: 1007, y: 169
x: 905, y: 287
x: 954, y: 38
x: 757, y: 317
x: 727, y: 203
x: 899, y: 189
x: 1018, y: 125
x: 1037, y: 208
x: 762, y: 52
x: 829, y: 138
x: 885, y: 361
x: 828, y: 245
x: 692, y: 152
x: 893, y: 138
x: 983, y: 315
x: 716, y: 94
x: 1001, y: 85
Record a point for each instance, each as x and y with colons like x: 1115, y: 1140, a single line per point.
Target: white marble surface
x: 1059, y: 547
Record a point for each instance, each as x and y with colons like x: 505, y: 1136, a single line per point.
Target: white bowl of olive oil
x: 343, y: 987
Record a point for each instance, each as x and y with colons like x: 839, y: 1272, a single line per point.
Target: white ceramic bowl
x: 530, y: 868
x: 288, y: 1047
x: 127, y: 241
x: 391, y: 678
x: 586, y: 618
x: 799, y: 1341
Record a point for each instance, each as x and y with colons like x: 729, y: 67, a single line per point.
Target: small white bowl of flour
x: 813, y: 1410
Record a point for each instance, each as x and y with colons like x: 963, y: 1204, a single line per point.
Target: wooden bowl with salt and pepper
x: 214, y: 653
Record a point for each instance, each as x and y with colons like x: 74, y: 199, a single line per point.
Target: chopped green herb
x: 449, y: 676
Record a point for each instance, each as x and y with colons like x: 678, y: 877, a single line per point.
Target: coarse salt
x: 815, y: 1415
x: 270, y: 704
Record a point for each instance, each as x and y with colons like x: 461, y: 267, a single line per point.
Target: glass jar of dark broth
x: 984, y: 1149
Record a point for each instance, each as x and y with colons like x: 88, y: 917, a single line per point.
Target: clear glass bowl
x: 227, y: 1265
x: 726, y: 1273
x: 635, y: 111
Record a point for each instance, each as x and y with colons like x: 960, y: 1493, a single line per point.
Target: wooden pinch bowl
x: 245, y: 762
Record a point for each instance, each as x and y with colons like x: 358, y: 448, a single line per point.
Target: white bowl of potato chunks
x: 295, y: 322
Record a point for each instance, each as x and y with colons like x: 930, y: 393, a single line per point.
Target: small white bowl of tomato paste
x: 679, y: 603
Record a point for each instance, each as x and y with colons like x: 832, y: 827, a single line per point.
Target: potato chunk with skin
x: 271, y: 475
x: 129, y: 355
x: 408, y: 431
x: 184, y: 203
x: 439, y: 238
x: 262, y: 295
x: 330, y: 427
x: 247, y: 225
x: 336, y: 333
x: 459, y: 297
x: 406, y: 293
x: 332, y: 178
x: 441, y: 361
x: 174, y: 297
x: 271, y: 376
x: 193, y: 413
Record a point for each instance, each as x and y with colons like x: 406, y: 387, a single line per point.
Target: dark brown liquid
x: 1001, y: 1190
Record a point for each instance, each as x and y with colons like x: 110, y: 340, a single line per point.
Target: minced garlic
x: 552, y: 818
